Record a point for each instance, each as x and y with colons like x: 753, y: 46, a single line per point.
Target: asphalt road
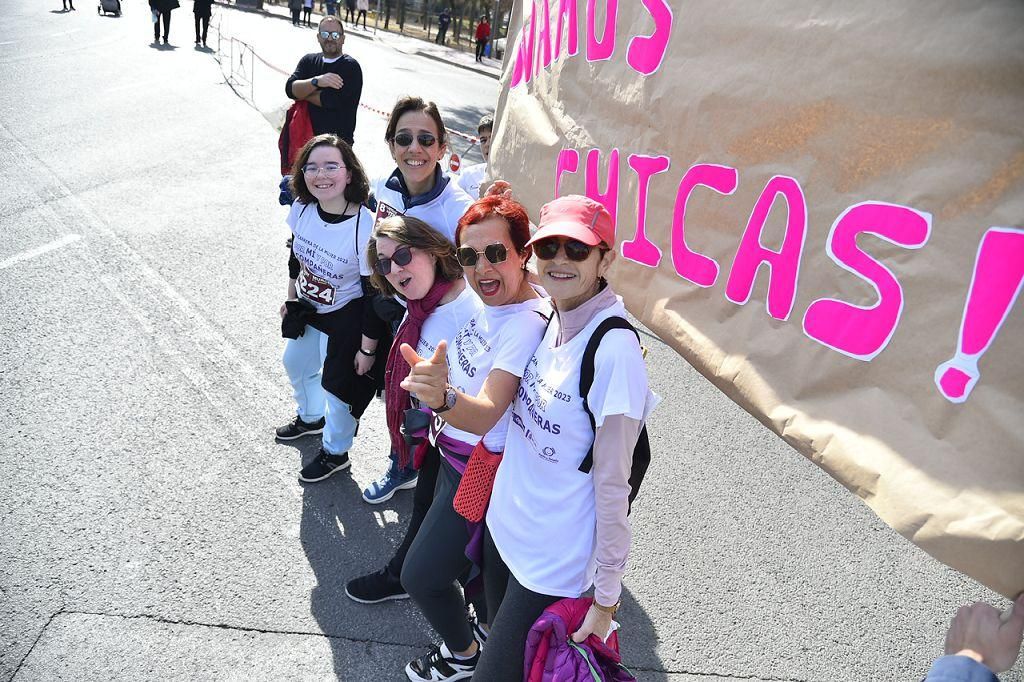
x: 151, y: 528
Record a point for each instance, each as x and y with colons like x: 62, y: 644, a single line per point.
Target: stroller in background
x: 109, y: 7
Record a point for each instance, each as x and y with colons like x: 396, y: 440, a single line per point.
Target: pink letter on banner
x: 784, y: 265
x: 862, y: 332
x: 995, y: 286
x: 568, y: 162
x: 690, y: 265
x: 522, y: 67
x: 645, y: 53
x: 567, y: 8
x: 639, y: 248
x: 610, y: 196
x: 543, y: 54
x: 600, y: 50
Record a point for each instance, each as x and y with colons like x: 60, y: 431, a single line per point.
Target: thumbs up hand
x: 428, y: 378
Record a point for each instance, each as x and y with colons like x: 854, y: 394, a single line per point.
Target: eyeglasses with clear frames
x: 328, y: 169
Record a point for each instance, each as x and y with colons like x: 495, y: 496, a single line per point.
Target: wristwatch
x: 314, y: 83
x: 450, y: 396
x: 613, y: 609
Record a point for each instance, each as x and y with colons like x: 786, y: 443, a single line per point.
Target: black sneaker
x: 323, y: 466
x: 440, y: 664
x: 375, y: 588
x: 298, y: 428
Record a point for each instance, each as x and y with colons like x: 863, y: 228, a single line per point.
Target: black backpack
x: 642, y: 450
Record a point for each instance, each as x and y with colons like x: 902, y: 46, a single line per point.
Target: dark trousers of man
x: 350, y: 13
x: 68, y: 5
x: 307, y: 13
x: 205, y: 22
x: 441, y: 35
x: 362, y: 13
x: 166, y: 16
x: 480, y: 45
x: 295, y: 16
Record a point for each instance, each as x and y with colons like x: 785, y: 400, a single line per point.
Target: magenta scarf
x: 396, y: 398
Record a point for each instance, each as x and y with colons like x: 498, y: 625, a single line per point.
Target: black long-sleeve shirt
x: 337, y: 113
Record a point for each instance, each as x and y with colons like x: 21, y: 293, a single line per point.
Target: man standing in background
x: 330, y: 81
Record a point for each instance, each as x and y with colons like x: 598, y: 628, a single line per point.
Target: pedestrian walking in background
x: 332, y: 8
x: 443, y: 20
x: 69, y: 6
x: 307, y: 12
x: 350, y: 11
x: 330, y: 81
x: 483, y: 34
x: 295, y: 7
x: 201, y: 9
x: 362, y: 6
x: 162, y: 10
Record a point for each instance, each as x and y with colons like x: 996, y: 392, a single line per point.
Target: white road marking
x: 64, y: 33
x: 8, y: 42
x: 38, y: 251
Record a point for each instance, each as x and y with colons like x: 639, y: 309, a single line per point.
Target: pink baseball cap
x: 576, y: 217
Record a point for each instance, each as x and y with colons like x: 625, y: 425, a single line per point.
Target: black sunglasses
x: 401, y: 257
x: 575, y: 250
x: 494, y: 253
x: 404, y: 139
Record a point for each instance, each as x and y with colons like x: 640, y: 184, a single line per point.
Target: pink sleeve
x: 613, y: 457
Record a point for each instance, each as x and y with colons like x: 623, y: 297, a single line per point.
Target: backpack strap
x: 587, y: 374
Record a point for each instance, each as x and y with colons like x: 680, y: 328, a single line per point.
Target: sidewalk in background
x: 405, y: 44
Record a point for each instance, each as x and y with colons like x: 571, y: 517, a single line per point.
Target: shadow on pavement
x: 638, y: 641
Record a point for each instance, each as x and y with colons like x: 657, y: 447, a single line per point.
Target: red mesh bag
x: 474, y: 491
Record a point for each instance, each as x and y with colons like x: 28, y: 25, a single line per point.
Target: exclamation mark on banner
x: 997, y: 279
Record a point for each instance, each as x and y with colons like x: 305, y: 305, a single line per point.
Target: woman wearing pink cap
x: 557, y: 521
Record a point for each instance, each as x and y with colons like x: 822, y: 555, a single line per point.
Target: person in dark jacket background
x: 330, y: 81
x: 162, y: 9
x: 201, y: 8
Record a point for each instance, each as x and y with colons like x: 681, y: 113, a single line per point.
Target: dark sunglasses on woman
x: 404, y: 139
x: 401, y: 257
x: 575, y: 250
x: 494, y: 253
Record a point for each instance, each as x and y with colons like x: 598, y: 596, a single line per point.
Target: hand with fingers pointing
x: 428, y: 378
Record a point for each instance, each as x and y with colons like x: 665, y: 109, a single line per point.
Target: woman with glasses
x: 417, y: 140
x: 556, y: 526
x: 470, y: 386
x: 334, y: 331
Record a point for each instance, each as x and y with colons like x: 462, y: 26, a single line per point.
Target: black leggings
x: 205, y: 22
x: 422, y: 496
x: 435, y: 561
x: 307, y: 12
x: 167, y: 25
x: 514, y: 610
x: 362, y: 13
x: 350, y: 13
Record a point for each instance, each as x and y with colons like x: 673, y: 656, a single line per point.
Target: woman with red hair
x: 482, y: 366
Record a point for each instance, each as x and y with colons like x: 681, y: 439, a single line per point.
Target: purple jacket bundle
x: 551, y: 655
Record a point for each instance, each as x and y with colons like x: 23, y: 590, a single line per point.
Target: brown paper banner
x: 820, y: 207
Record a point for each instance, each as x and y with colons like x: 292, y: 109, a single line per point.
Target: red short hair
x: 511, y: 211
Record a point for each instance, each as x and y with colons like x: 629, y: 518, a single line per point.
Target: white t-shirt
x: 471, y: 177
x: 541, y: 515
x: 331, y: 256
x: 446, y: 321
x: 442, y: 212
x: 497, y: 337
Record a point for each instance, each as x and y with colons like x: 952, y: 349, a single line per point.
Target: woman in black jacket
x: 201, y: 8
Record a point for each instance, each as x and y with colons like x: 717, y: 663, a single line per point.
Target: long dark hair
x: 356, y: 191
